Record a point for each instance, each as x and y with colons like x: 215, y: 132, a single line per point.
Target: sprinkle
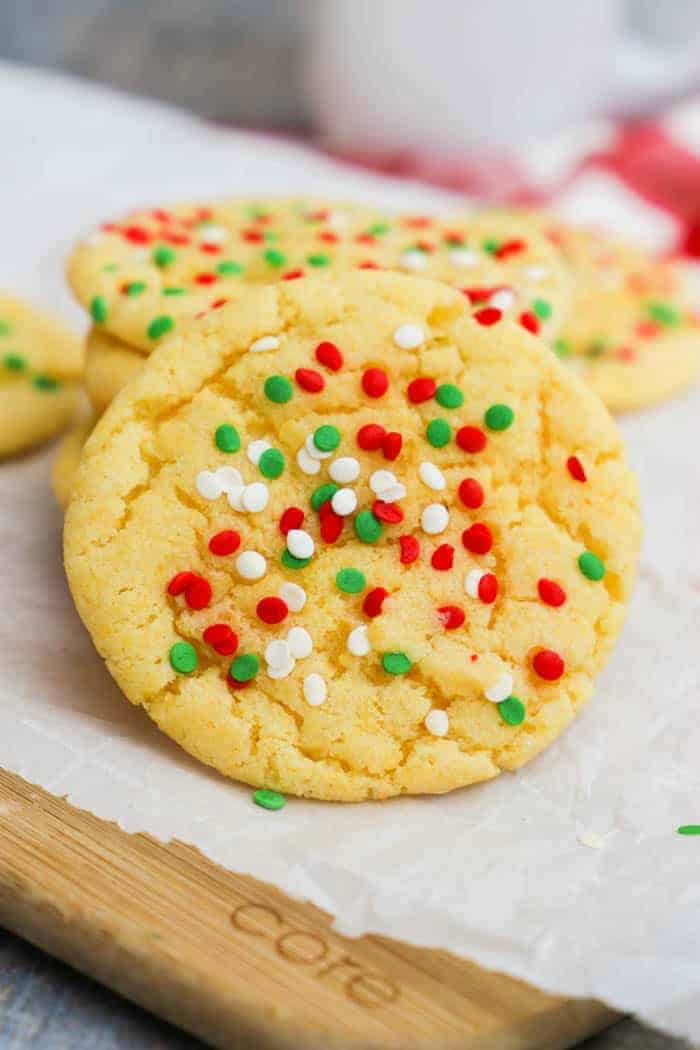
x: 225, y: 542
x: 344, y: 470
x: 471, y: 439
x: 344, y: 502
x: 688, y: 829
x: 244, y: 667
x: 500, y: 689
x: 350, y: 581
x: 409, y: 549
x: 409, y: 336
x: 221, y: 638
x: 575, y: 468
x: 256, y: 449
x: 591, y: 566
x: 292, y: 518
x: 370, y: 437
x: 99, y: 309
x: 535, y: 272
x: 272, y: 610
x: 315, y: 689
x: 542, y: 309
x: 368, y: 528
x: 160, y: 326
x: 278, y: 389
x: 274, y: 258
x: 323, y: 494
x: 530, y: 321
x: 163, y: 256
x: 375, y: 382
x: 271, y: 463
x: 293, y: 596
x: 436, y: 722
x: 413, y: 259
x: 435, y: 519
x: 471, y: 493
x: 226, y: 438
x: 550, y: 592
x: 229, y: 478
x: 331, y: 523
x: 438, y: 432
x: 499, y: 417
x: 266, y: 342
x: 420, y: 390
x: 255, y: 497
x: 463, y: 257
x: 251, y: 565
x: 477, y: 538
x: 451, y: 616
x: 290, y: 562
x: 488, y: 315
x: 228, y: 268
x: 326, y: 438
x: 664, y: 313
x: 512, y: 710
x: 300, y: 643
x: 235, y: 497
x: 299, y: 543
x: 278, y: 654
x: 310, y: 380
x: 196, y: 590
x: 391, y: 445
x: 329, y: 355
x: 381, y: 480
x: 449, y: 396
x: 432, y: 476
x: 208, y: 485
x: 503, y: 299
x: 390, y: 513
x: 443, y: 557
x: 307, y: 463
x: 482, y: 585
x: 548, y: 665
x: 358, y: 641
x: 183, y: 657
x: 374, y: 599
x: 396, y: 663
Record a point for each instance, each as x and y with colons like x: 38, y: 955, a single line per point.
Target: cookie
x: 67, y: 460
x: 40, y: 362
x: 342, y: 540
x: 109, y: 365
x: 632, y: 334
x: 142, y: 275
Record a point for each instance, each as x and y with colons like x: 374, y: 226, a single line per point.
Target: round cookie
x: 344, y: 541
x: 109, y: 365
x: 40, y: 362
x: 141, y: 276
x: 67, y: 460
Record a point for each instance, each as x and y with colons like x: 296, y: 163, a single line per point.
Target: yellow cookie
x: 344, y: 541
x: 40, y: 362
x: 65, y: 465
x: 109, y: 365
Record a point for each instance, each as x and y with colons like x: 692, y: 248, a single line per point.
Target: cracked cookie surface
x: 343, y: 541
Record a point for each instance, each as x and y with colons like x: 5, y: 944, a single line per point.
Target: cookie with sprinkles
x: 66, y: 461
x: 40, y: 366
x: 109, y: 365
x: 348, y: 589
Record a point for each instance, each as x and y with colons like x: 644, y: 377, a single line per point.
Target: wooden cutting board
x: 235, y: 961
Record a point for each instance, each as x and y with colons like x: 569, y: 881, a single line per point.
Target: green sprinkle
x: 512, y: 710
x: 278, y: 389
x: 499, y: 417
x: 449, y: 396
x: 379, y: 228
x: 15, y: 363
x: 350, y: 581
x: 163, y: 256
x: 490, y: 245
x: 135, y: 287
x: 244, y: 667
x: 541, y: 308
x: 367, y: 527
x: 271, y: 463
x: 318, y: 260
x: 591, y: 566
x: 45, y: 383
x: 438, y: 432
x: 322, y: 494
x: 98, y: 309
x: 160, y: 326
x: 396, y: 663
x: 664, y: 313
x: 174, y: 290
x: 561, y: 348
x: 5, y: 328
x: 689, y: 829
x: 183, y: 657
x: 269, y: 799
x: 290, y: 562
x: 275, y: 258
x: 326, y: 438
x: 110, y: 268
x: 227, y: 438
x: 229, y: 268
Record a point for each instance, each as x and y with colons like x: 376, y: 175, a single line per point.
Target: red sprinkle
x: 198, y: 593
x: 443, y: 557
x: 365, y: 238
x: 222, y: 638
x: 471, y: 439
x: 331, y: 523
x: 309, y: 379
x: 292, y: 275
x: 391, y: 513
x: 329, y: 355
x: 548, y: 665
x: 452, y: 616
x: 137, y: 235
x: 421, y: 390
x: 176, y: 238
x: 575, y: 468
x: 225, y: 542
x: 252, y: 236
x: 233, y: 684
x: 488, y: 316
x: 511, y: 247
x: 180, y: 582
x: 410, y: 549
x: 471, y: 493
x: 488, y: 588
x: 550, y: 592
x: 329, y: 237
x: 375, y: 382
x: 371, y: 436
x: 205, y: 278
x: 210, y: 249
x: 477, y: 538
x: 530, y: 321
x: 369, y: 264
x: 292, y: 518
x: 392, y: 444
x: 477, y: 295
x: 372, y: 605
x: 272, y: 610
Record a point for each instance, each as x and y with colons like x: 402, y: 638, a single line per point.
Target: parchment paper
x: 497, y: 873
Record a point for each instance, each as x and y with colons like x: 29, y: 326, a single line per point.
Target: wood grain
x: 236, y: 962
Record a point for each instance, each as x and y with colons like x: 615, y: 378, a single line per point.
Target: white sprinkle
x: 435, y: 519
x: 344, y: 502
x: 235, y: 498
x: 300, y: 642
x: 499, y: 690
x: 436, y: 722
x: 472, y: 581
x: 409, y: 336
x: 504, y: 299
x: 358, y: 642
x: 212, y: 234
x: 315, y: 690
x: 306, y: 463
x: 344, y: 469
x: 293, y: 595
x: 266, y: 342
x: 208, y: 484
x: 256, y: 448
x: 338, y: 219
x: 463, y: 257
x: 380, y: 480
x: 256, y: 497
x: 591, y: 839
x: 432, y: 476
x: 413, y: 259
x: 392, y: 493
x: 277, y: 653
x: 314, y: 452
x: 229, y: 478
x: 282, y: 671
x: 536, y: 272
x: 251, y: 565
x: 300, y: 543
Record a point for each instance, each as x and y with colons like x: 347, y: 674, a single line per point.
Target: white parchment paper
x: 497, y: 873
